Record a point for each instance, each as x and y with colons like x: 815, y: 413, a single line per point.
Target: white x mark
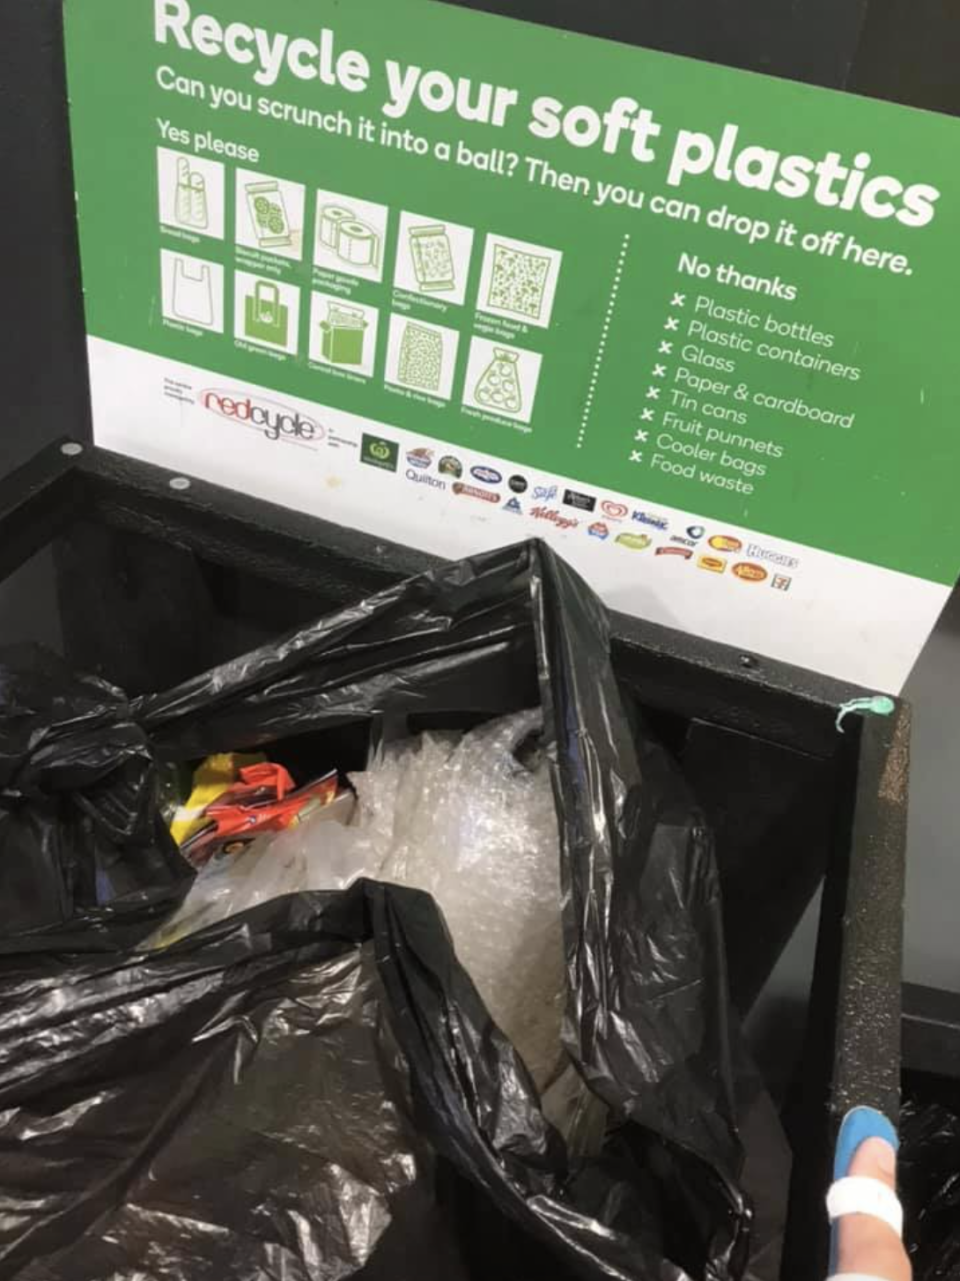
x: 679, y: 300
x: 666, y: 348
x: 647, y: 416
x: 659, y: 371
x: 642, y: 437
x: 636, y: 456
x: 672, y: 323
x: 653, y: 393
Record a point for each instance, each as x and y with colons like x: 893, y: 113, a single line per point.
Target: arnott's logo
x: 277, y: 421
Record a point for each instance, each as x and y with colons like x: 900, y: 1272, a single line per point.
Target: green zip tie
x: 879, y: 705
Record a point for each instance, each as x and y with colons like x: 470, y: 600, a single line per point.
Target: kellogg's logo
x: 554, y: 517
x: 276, y: 420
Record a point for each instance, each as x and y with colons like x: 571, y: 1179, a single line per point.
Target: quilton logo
x: 276, y: 420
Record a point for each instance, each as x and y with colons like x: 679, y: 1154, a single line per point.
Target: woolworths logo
x: 377, y: 451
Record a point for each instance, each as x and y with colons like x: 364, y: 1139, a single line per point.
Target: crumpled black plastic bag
x: 930, y: 1179
x: 209, y: 1065
x: 82, y: 848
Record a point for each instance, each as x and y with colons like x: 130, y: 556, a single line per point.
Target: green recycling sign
x: 460, y: 280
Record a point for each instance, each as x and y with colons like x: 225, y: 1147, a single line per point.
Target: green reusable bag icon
x: 267, y: 319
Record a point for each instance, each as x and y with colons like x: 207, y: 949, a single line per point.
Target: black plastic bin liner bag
x: 930, y: 1177
x: 83, y: 849
x: 314, y: 1089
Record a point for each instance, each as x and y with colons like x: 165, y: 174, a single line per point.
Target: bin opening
x: 152, y: 587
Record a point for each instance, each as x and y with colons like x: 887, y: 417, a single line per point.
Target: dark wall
x: 810, y: 40
x: 42, y: 364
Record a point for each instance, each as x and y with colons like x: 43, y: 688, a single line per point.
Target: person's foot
x: 867, y: 1245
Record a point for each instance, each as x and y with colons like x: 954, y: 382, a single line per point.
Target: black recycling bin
x: 930, y: 1153
x: 147, y: 578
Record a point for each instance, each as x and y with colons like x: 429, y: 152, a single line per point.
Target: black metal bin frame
x: 120, y: 593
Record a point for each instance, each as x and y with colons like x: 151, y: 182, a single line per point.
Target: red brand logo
x: 554, y: 517
x: 276, y: 421
x: 751, y: 573
x: 471, y: 491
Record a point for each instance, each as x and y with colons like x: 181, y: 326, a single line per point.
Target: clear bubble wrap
x: 468, y: 818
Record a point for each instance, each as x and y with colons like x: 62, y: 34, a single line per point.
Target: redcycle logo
x: 275, y: 420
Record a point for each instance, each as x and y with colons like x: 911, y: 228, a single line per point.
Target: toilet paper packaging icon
x: 331, y: 217
x: 359, y: 244
x: 353, y: 240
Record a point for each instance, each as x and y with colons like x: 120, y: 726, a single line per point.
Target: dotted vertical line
x: 604, y: 335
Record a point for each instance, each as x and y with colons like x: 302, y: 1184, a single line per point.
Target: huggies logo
x: 274, y: 420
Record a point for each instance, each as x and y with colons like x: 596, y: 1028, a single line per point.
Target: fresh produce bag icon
x: 192, y: 293
x: 499, y: 384
x: 191, y: 209
x: 269, y: 214
x: 267, y: 319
